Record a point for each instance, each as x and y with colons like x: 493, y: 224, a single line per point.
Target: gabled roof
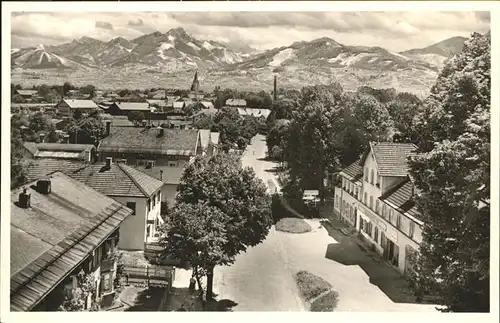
x: 390, y: 157
x: 401, y: 198
x: 81, y: 104
x: 119, y: 180
x: 144, y: 140
x: 207, y: 104
x: 58, y: 150
x: 133, y: 106
x: 353, y: 171
x: 27, y: 92
x: 56, y: 234
x: 39, y: 168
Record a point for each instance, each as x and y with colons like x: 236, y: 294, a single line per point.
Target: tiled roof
x: 143, y: 140
x: 32, y: 147
x: 119, y: 180
x: 401, y: 197
x: 391, y: 158
x: 160, y: 103
x: 178, y: 105
x: 81, y: 104
x: 170, y: 175
x: 39, y: 168
x: 171, y: 98
x: 133, y: 106
x: 63, y: 147
x: 207, y: 104
x: 55, y: 234
x: 57, y: 150
x: 355, y: 171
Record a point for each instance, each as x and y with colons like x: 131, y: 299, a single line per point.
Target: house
x: 132, y: 188
x: 207, y: 105
x: 208, y: 142
x: 254, y: 112
x: 157, y: 95
x: 111, y: 96
x: 172, y: 98
x: 28, y: 94
x: 376, y: 198
x: 124, y: 108
x: 86, y: 153
x: 117, y: 121
x: 140, y: 145
x: 178, y: 107
x: 171, y: 178
x: 126, y: 185
x: 157, y: 103
x: 67, y: 107
x: 236, y: 103
x: 49, y: 253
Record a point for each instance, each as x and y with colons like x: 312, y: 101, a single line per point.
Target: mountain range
x: 169, y: 60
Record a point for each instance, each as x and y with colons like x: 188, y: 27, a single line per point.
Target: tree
x: 88, y: 130
x: 89, y: 90
x: 17, y: 167
x: 67, y: 87
x: 402, y: 110
x: 452, y: 173
x: 204, y: 122
x: 136, y: 116
x: 276, y: 152
x: 221, y: 210
x: 77, y: 115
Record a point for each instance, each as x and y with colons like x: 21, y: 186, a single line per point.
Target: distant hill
x: 169, y: 60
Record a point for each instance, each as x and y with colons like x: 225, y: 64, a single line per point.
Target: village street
x: 262, y: 278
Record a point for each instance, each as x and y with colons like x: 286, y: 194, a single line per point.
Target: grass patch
x: 293, y: 225
x: 311, y: 286
x: 325, y: 303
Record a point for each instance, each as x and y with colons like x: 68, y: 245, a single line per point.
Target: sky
x: 395, y: 31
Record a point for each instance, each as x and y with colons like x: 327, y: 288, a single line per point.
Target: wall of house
x: 132, y: 230
x: 154, y: 213
x: 160, y: 160
x: 63, y: 109
x: 370, y: 188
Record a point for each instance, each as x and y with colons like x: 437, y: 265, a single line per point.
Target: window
x: 366, y: 197
x: 154, y: 201
x: 372, y: 174
x: 371, y: 202
x: 412, y: 229
x: 390, y: 215
x: 378, y: 181
x: 366, y: 174
x: 343, y: 183
x: 172, y: 164
x: 131, y: 205
x: 377, y: 206
x: 398, y: 222
x: 375, y: 237
x: 384, y: 211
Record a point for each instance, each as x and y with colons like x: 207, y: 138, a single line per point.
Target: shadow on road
x: 190, y: 301
x: 348, y: 252
x: 147, y: 300
x: 223, y: 305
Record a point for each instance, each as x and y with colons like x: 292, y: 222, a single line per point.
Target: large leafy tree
x: 453, y: 176
x: 221, y: 210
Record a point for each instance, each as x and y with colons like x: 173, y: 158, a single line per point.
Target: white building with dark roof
x: 376, y: 198
x: 48, y: 253
x: 68, y: 106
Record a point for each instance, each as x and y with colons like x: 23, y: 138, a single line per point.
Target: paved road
x: 261, y: 278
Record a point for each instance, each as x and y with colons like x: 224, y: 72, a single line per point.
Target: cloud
x: 104, y: 25
x: 395, y: 31
x: 135, y: 23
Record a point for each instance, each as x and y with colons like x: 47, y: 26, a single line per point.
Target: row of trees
x: 329, y: 129
x: 260, y: 99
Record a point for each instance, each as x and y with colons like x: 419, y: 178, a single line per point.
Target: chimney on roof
x: 24, y: 199
x: 42, y: 136
x: 109, y: 161
x: 275, y: 94
x: 43, y: 186
x: 108, y: 128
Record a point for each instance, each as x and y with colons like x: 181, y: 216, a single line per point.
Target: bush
x: 310, y: 285
x: 325, y: 303
x: 293, y: 225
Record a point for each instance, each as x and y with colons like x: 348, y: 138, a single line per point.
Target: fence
x: 150, y: 275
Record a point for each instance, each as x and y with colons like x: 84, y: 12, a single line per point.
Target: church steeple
x: 196, y: 84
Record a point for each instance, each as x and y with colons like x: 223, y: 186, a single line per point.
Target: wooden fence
x: 149, y: 276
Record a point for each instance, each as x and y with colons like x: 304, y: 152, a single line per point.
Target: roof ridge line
x: 132, y: 179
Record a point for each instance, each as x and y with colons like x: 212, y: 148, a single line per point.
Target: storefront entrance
x: 391, y: 250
